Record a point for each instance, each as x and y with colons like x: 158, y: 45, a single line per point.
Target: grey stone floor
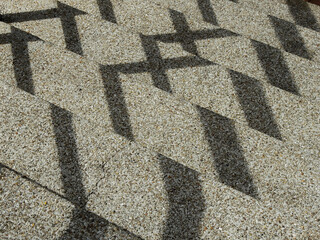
x: 171, y: 119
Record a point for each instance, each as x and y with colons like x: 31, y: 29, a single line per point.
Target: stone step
x: 250, y: 57
x: 65, y: 177
x: 272, y: 27
x: 256, y: 104
x: 196, y: 137
x: 303, y: 14
x: 255, y: 25
x: 122, y: 115
x: 301, y: 5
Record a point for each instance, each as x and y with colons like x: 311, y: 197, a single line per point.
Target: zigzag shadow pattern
x: 67, y: 16
x: 69, y: 159
x: 84, y: 224
x: 156, y: 66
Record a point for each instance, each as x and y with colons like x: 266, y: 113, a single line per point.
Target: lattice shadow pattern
x: 219, y: 130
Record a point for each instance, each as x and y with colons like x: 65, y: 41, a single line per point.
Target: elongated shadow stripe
x: 303, y: 15
x: 289, y: 36
x: 227, y: 154
x: 254, y: 104
x: 186, y: 201
x: 207, y: 12
x: 117, y: 106
x: 275, y: 67
x: 84, y: 224
x: 106, y: 10
x: 71, y: 175
x: 21, y: 61
x: 67, y: 16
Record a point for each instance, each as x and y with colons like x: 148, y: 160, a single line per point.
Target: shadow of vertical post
x: 275, y: 67
x: 289, y: 37
x: 302, y: 14
x: 229, y: 160
x: 84, y: 224
x: 207, y: 12
x: 186, y: 201
x: 254, y: 104
x: 106, y: 10
x: 117, y: 105
x: 67, y: 16
x: 21, y: 60
x: 71, y: 176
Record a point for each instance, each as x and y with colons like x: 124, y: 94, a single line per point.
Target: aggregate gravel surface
x: 157, y: 119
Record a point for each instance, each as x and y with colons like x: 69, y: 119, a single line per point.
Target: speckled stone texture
x: 159, y: 120
x: 120, y: 184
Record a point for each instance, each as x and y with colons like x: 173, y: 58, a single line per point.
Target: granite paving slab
x: 206, y: 211
x: 45, y: 63
x: 303, y: 14
x: 256, y: 25
x: 112, y: 187
x: 177, y: 129
x: 148, y: 132
x: 50, y: 163
x: 251, y: 56
x: 29, y: 211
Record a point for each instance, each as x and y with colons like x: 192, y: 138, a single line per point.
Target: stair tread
x: 151, y: 136
x: 145, y: 116
x: 124, y: 183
